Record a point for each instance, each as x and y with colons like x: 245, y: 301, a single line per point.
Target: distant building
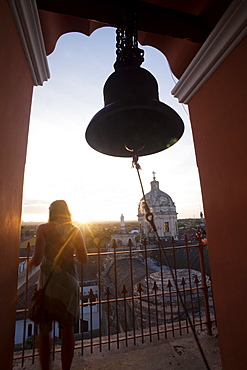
x: 122, y: 237
x: 164, y: 212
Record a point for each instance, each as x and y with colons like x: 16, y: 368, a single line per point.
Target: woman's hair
x: 59, y: 212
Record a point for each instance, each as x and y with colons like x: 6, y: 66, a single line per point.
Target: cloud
x: 35, y: 202
x: 32, y: 208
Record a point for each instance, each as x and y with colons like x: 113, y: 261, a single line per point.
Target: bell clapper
x: 135, y: 162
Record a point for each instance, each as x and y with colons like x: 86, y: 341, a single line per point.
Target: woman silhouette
x: 56, y: 242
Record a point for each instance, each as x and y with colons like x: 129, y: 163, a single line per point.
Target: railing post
x: 148, y: 296
x: 82, y: 309
x: 99, y: 295
x: 130, y: 245
x: 200, y: 247
x: 28, y: 250
x: 114, y: 246
x: 108, y: 317
x: 91, y: 299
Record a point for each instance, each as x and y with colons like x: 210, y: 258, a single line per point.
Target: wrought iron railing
x: 129, y: 295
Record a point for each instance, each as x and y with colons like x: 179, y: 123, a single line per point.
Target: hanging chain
x: 127, y: 50
x: 150, y: 219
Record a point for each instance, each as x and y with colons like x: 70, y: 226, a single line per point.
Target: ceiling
x: 177, y: 28
x: 191, y: 20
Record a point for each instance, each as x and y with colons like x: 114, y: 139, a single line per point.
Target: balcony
x: 134, y: 303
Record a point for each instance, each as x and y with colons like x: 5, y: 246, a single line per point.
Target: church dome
x: 157, y: 200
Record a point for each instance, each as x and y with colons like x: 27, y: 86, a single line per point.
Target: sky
x: 61, y: 165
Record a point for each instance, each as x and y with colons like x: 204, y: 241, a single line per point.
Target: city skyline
x: 61, y: 165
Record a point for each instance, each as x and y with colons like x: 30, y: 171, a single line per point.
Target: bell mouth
x: 143, y: 127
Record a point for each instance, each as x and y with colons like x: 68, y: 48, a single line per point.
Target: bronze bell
x: 133, y: 120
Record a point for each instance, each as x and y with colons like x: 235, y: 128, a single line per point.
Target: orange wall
x: 15, y: 101
x: 219, y: 123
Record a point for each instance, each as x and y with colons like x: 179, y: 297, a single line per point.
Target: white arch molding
x: 227, y: 34
x: 26, y: 17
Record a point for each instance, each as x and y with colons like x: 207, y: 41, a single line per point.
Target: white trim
x: 227, y: 34
x: 27, y: 22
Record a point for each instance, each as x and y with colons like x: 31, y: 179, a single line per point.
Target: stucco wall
x: 219, y: 123
x: 15, y: 98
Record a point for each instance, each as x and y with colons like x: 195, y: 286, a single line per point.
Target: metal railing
x: 129, y: 295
